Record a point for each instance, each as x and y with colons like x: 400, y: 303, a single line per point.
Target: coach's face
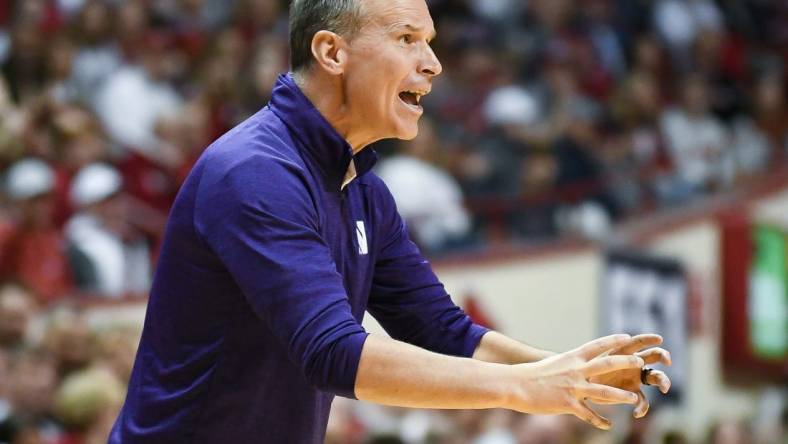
x: 390, y: 67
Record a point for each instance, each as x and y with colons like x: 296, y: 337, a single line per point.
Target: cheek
x: 378, y: 71
x: 370, y: 100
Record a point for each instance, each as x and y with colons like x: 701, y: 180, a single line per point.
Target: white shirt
x: 129, y: 105
x: 428, y: 199
x: 119, y: 267
x: 699, y: 147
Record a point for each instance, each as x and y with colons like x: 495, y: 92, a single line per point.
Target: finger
x: 601, y: 401
x: 598, y: 346
x: 656, y: 356
x: 639, y: 342
x: 659, y: 379
x: 641, y: 408
x: 582, y: 411
x: 607, y: 364
x: 600, y: 394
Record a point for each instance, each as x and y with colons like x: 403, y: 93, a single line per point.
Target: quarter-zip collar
x: 322, y: 143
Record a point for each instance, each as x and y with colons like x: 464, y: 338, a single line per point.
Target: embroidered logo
x: 361, y: 234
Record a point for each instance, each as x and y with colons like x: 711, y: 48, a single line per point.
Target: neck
x: 327, y: 94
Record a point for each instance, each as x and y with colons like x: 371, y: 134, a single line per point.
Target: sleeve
x: 260, y: 220
x: 408, y: 300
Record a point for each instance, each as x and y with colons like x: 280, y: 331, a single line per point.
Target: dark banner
x: 646, y: 294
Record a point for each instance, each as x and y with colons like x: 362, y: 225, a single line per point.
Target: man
x: 35, y: 254
x: 281, y: 238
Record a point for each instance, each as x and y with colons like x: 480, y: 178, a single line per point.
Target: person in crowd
x: 36, y: 254
x: 33, y: 384
x: 109, y: 256
x: 430, y: 201
x: 134, y: 97
x: 697, y: 142
x: 17, y: 308
x: 69, y: 340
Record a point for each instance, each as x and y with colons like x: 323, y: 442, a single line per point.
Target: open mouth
x: 412, y: 98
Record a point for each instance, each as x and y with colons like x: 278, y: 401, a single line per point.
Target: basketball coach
x: 281, y: 238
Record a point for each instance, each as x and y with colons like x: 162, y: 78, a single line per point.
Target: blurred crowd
x: 62, y: 378
x: 551, y: 117
x: 356, y: 423
x: 557, y: 117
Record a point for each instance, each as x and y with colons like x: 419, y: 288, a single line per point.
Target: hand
x: 629, y: 379
x: 560, y: 384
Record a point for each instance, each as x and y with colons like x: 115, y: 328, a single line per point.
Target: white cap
x: 511, y: 105
x: 29, y: 178
x: 95, y: 183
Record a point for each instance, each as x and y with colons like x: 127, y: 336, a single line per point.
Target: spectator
x: 133, y: 99
x: 24, y: 69
x: 98, y: 55
x: 33, y: 384
x: 84, y: 400
x: 60, y: 86
x: 69, y: 341
x: 698, y: 143
x: 771, y: 111
x: 634, y: 152
x: 680, y: 21
x: 428, y: 198
x: 36, y: 254
x: 17, y: 308
x: 116, y: 349
x: 108, y: 256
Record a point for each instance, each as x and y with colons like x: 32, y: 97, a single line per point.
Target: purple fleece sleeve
x: 260, y: 220
x: 408, y: 299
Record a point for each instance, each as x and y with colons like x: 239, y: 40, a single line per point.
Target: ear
x: 330, y: 51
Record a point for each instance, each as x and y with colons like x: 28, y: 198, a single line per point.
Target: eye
x: 406, y: 38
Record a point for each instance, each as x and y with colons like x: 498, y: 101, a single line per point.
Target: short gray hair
x: 307, y: 17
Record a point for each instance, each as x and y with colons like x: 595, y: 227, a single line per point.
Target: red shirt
x: 36, y: 258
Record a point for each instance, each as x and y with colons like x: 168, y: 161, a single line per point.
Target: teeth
x: 416, y: 94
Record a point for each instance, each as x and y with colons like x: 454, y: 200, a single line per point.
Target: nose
x: 430, y: 65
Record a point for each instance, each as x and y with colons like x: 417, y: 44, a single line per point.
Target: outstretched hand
x: 643, y: 346
x: 564, y: 382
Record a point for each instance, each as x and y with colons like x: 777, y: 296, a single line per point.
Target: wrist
x: 515, y: 381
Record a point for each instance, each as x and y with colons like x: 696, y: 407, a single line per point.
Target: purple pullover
x: 267, y: 267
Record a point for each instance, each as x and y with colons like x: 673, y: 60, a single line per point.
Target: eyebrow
x: 412, y: 28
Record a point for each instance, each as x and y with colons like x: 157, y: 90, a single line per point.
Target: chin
x: 409, y: 136
x: 408, y: 132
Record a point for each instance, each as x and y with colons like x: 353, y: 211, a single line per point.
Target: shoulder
x: 257, y: 155
x: 255, y: 166
x: 262, y: 138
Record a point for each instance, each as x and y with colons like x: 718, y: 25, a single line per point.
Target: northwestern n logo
x: 361, y: 234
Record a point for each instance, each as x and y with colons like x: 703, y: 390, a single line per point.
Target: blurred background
x: 583, y: 167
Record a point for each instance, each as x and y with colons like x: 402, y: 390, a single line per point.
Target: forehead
x: 388, y: 14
